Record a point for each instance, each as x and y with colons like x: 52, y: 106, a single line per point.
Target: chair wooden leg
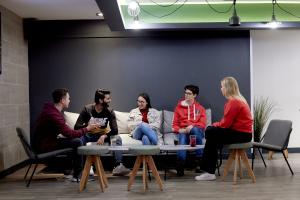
x: 155, y: 172
x: 145, y: 183
x: 99, y: 172
x: 286, y: 153
x: 247, y: 165
x: 236, y: 158
x: 228, y: 164
x: 85, y: 173
x: 270, y: 155
x: 134, y: 171
x: 240, y: 165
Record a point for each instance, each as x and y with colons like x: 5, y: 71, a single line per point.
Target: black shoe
x: 198, y: 170
x: 180, y: 168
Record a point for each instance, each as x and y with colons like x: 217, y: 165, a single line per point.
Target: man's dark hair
x: 193, y: 88
x: 59, y: 94
x: 147, y: 98
x: 100, y: 94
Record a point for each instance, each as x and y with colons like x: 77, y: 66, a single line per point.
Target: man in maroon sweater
x: 51, y: 123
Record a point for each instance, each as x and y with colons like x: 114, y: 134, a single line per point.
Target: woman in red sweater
x: 234, y: 127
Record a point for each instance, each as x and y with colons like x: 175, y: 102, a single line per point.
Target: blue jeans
x: 146, y: 134
x: 184, y: 139
x: 94, y: 138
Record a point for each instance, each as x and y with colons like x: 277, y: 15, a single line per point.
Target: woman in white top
x: 144, y: 121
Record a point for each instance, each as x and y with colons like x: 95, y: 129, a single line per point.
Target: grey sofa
x: 166, y: 126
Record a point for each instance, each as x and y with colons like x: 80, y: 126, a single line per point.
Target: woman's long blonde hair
x: 232, y: 89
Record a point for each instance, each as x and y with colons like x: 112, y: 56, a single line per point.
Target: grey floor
x: 273, y: 182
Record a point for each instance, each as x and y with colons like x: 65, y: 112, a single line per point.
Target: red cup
x: 193, y: 140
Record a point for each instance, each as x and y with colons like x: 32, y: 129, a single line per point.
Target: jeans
x: 146, y: 134
x: 184, y: 139
x: 94, y: 138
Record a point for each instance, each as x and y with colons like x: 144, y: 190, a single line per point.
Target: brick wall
x: 14, y: 89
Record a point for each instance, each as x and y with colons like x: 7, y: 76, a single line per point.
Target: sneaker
x: 92, y: 173
x: 206, y: 177
x: 120, y: 170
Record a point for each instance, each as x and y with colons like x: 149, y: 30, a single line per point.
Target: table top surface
x: 161, y: 147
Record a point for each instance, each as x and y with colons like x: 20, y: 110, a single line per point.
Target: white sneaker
x: 92, y: 173
x: 120, y: 170
x: 206, y: 177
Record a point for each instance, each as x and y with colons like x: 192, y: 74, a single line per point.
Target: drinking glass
x: 193, y: 140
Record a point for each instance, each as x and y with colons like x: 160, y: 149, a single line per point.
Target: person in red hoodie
x: 234, y: 127
x: 51, y: 123
x: 189, y: 119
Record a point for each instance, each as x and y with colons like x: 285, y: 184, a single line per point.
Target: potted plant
x: 263, y: 108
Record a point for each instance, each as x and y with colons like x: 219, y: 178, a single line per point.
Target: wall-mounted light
x: 134, y: 10
x: 234, y: 20
x: 273, y: 23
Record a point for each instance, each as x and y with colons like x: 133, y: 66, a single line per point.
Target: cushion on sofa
x: 71, y: 118
x: 122, y: 121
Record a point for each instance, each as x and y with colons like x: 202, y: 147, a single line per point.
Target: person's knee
x: 77, y: 142
x: 145, y: 140
x: 118, y: 140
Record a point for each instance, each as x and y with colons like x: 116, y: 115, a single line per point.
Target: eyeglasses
x: 140, y: 101
x: 188, y: 93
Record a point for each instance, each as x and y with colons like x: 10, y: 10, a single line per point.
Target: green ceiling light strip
x: 194, y: 12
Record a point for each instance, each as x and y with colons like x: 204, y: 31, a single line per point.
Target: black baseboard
x: 14, y: 168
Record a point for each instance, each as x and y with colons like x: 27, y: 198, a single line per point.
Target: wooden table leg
x: 134, y: 171
x: 85, y: 173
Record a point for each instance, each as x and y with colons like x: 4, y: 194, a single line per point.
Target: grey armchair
x: 35, y: 158
x: 276, y: 138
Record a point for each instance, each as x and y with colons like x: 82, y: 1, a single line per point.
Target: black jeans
x: 215, y: 138
x: 77, y: 159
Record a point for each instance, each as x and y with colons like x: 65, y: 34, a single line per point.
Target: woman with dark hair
x: 144, y: 121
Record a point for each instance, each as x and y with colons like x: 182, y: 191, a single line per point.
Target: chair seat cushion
x: 144, y: 150
x: 93, y: 150
x: 246, y: 145
x: 53, y: 153
x: 267, y: 146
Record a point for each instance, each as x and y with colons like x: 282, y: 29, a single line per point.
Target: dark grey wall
x: 159, y: 64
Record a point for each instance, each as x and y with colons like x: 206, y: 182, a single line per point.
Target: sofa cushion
x: 71, y: 118
x: 208, y: 117
x: 122, y: 121
x: 169, y: 138
x: 167, y: 121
